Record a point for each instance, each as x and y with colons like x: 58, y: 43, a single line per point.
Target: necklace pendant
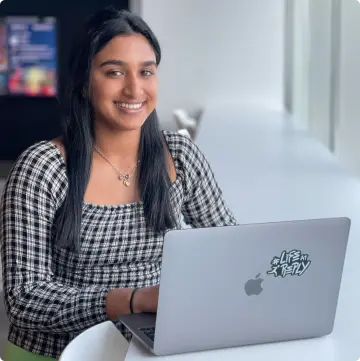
x: 121, y: 177
x: 126, y: 181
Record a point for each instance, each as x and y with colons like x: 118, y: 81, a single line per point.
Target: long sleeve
x: 34, y: 299
x: 204, y: 204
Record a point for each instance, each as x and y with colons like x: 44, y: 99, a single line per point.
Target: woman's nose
x: 133, y: 87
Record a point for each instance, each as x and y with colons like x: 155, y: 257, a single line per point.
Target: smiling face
x: 123, y: 83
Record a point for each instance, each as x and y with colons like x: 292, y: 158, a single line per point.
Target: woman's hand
x: 118, y: 301
x: 146, y: 299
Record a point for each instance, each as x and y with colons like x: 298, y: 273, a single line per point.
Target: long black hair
x: 78, y: 131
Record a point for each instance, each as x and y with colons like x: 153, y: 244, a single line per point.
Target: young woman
x: 83, y: 216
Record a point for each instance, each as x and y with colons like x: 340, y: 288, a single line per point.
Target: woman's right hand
x: 118, y: 301
x: 146, y: 299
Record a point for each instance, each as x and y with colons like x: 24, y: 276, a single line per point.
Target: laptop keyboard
x: 149, y: 332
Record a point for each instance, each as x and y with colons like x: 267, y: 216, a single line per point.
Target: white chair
x: 184, y: 121
x: 184, y: 132
x: 103, y: 342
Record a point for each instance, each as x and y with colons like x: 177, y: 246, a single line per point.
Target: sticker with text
x: 293, y: 263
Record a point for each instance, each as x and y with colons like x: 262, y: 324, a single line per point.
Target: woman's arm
x: 34, y: 298
x: 204, y: 204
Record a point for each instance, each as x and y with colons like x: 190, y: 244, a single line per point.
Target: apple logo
x: 253, y: 286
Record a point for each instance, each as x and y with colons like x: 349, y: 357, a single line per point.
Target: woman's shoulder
x: 181, y: 144
x: 41, y: 160
x: 187, y: 154
x: 40, y: 154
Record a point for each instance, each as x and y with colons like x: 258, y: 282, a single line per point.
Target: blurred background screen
x: 28, y: 65
x: 35, y: 41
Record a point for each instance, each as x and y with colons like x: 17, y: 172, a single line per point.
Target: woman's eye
x: 115, y: 73
x: 147, y: 73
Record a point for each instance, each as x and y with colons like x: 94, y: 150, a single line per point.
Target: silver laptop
x: 247, y: 284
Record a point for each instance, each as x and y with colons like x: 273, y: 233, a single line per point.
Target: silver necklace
x: 124, y: 177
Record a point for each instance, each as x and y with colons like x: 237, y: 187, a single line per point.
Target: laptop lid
x: 247, y: 284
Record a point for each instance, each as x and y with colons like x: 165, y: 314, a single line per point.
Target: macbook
x: 246, y: 284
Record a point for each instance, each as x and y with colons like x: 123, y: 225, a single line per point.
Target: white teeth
x: 129, y: 106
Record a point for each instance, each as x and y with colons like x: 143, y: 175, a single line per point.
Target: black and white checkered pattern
x: 53, y: 294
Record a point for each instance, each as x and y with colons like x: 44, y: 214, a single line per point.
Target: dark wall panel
x: 24, y: 121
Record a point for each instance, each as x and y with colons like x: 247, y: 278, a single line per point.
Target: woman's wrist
x: 118, y: 302
x: 137, y: 300
x: 132, y: 305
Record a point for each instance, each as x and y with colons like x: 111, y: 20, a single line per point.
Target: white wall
x: 316, y: 29
x: 348, y: 127
x: 320, y: 68
x: 300, y: 57
x: 289, y: 15
x: 217, y: 52
x: 326, y: 78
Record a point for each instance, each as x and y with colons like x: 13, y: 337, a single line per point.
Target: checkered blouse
x: 53, y: 294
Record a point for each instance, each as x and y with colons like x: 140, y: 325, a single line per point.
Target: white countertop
x: 270, y: 171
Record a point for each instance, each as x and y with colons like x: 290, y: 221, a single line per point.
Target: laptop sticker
x: 293, y: 263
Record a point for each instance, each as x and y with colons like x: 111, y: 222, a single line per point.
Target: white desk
x: 271, y: 172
